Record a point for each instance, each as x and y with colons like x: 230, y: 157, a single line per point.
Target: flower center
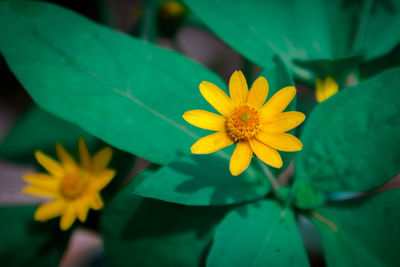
x: 243, y: 123
x: 73, y: 184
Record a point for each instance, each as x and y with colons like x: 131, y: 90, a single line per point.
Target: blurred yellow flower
x: 256, y: 127
x: 325, y: 88
x: 72, y: 187
x: 172, y: 9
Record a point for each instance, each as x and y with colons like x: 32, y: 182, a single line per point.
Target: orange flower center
x: 243, y: 123
x: 73, y: 185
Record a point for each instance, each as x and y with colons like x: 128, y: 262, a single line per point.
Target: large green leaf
x: 127, y: 92
x: 378, y: 27
x: 367, y: 231
x: 303, y: 30
x: 205, y: 179
x: 351, y: 141
x: 24, y: 242
x: 146, y: 232
x: 37, y: 129
x: 258, y: 234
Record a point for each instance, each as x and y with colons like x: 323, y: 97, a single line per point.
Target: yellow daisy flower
x: 72, y: 187
x: 325, y: 88
x: 247, y: 121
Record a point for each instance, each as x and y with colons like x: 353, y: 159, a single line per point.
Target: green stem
x: 149, y: 30
x: 272, y: 179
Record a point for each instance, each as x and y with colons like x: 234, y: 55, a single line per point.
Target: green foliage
x: 368, y: 227
x: 44, y: 131
x: 22, y: 240
x: 258, y: 234
x: 351, y: 141
x: 306, y: 30
x: 118, y: 90
x: 146, y: 232
x: 307, y: 197
x: 203, y: 180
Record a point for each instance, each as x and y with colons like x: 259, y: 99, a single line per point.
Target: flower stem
x: 272, y: 179
x: 149, y: 29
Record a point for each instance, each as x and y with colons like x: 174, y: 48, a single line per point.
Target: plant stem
x: 149, y: 29
x: 272, y: 179
x: 324, y: 220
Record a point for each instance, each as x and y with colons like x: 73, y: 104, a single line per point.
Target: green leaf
x: 378, y: 28
x: 302, y: 30
x: 258, y: 234
x: 37, y: 129
x: 118, y: 88
x: 367, y: 226
x: 205, y: 179
x: 24, y: 242
x: 146, y: 232
x: 351, y: 141
x: 307, y: 197
x: 261, y: 29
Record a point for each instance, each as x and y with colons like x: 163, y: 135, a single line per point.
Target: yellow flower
x: 246, y: 120
x: 325, y: 88
x: 72, y: 187
x: 172, y: 9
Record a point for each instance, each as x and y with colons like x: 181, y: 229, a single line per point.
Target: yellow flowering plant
x: 228, y: 187
x: 72, y: 188
x: 325, y: 88
x: 256, y: 127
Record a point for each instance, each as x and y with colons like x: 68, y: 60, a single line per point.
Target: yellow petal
x: 280, y: 141
x: 68, y: 218
x: 82, y: 209
x: 96, y: 202
x: 43, y: 181
x: 52, y: 166
x: 103, y: 179
x: 241, y: 158
x: 267, y: 154
x: 102, y: 159
x: 211, y: 143
x: 278, y: 102
x: 258, y: 93
x: 49, y: 210
x: 205, y: 120
x: 238, y: 88
x: 281, y: 122
x: 66, y: 159
x: 326, y: 89
x: 84, y: 154
x: 36, y: 191
x: 216, y: 97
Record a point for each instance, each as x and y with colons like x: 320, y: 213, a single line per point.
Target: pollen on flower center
x: 73, y: 185
x: 243, y: 123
